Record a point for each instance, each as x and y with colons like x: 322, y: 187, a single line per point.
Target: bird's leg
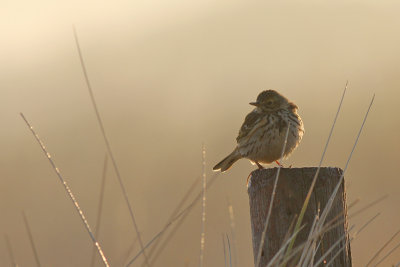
x: 279, y: 164
x: 259, y: 165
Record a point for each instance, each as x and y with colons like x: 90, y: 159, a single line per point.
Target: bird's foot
x: 259, y: 165
x: 279, y: 164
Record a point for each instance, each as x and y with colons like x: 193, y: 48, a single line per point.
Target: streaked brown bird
x: 262, y: 135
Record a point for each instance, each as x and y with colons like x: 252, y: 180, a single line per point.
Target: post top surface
x: 262, y: 177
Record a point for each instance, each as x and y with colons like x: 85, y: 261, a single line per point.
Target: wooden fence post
x: 292, y: 188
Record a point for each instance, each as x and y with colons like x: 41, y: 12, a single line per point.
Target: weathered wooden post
x: 292, y: 188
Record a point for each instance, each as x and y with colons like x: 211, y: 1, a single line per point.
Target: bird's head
x: 270, y: 100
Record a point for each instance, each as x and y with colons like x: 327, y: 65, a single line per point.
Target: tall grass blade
x: 381, y: 249
x: 174, y: 213
x: 100, y: 206
x: 182, y: 216
x: 229, y: 250
x: 335, y: 221
x: 354, y: 236
x: 10, y: 251
x: 332, y: 197
x: 373, y: 203
x: 69, y: 192
x: 108, y: 146
x: 332, y: 247
x: 271, y: 202
x: 309, y: 241
x: 387, y: 254
x: 233, y: 232
x: 31, y: 240
x: 128, y: 252
x: 318, y: 233
x: 281, y: 250
x: 342, y: 238
x: 305, y: 205
x: 223, y: 244
x: 287, y: 236
x: 278, y: 255
x: 203, y: 212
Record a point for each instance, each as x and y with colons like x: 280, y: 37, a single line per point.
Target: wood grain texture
x: 292, y: 188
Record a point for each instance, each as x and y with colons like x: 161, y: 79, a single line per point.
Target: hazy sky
x: 169, y: 76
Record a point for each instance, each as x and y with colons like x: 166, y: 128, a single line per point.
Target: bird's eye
x: 269, y: 102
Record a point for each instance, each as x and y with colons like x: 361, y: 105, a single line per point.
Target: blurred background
x: 169, y: 76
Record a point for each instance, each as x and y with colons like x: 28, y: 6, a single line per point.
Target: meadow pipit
x: 262, y: 135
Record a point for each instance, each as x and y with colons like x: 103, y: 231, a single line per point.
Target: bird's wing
x: 249, y: 123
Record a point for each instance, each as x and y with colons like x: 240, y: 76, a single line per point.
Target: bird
x: 262, y: 135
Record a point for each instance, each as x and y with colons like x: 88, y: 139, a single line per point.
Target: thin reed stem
x: 100, y: 206
x: 354, y: 236
x: 305, y: 205
x: 368, y: 206
x: 129, y: 250
x: 331, y: 199
x: 182, y: 214
x: 333, y: 195
x: 344, y: 236
x: 108, y: 146
x: 229, y: 251
x: 223, y: 244
x: 387, y: 254
x: 31, y: 240
x: 381, y: 249
x: 174, y: 213
x: 331, y: 248
x: 309, y: 241
x: 317, y: 233
x: 281, y: 250
x: 10, y: 251
x: 233, y: 232
x: 203, y: 212
x: 69, y: 192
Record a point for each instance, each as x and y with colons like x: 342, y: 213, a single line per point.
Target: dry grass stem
x: 328, y: 206
x: 331, y: 199
x: 303, y: 210
x: 223, y: 244
x: 281, y: 251
x: 69, y: 192
x: 31, y: 240
x: 10, y: 251
x: 203, y: 211
x: 100, y: 206
x: 355, y: 235
x: 173, y: 214
x: 108, y: 146
x: 182, y: 216
x: 387, y: 254
x: 128, y: 252
x: 233, y: 232
x: 229, y: 250
x: 381, y: 249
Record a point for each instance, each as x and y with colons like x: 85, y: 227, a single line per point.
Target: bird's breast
x: 264, y: 142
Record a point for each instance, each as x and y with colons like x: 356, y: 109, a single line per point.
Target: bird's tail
x: 227, y: 162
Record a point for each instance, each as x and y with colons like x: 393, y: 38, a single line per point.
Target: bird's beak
x: 254, y: 104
